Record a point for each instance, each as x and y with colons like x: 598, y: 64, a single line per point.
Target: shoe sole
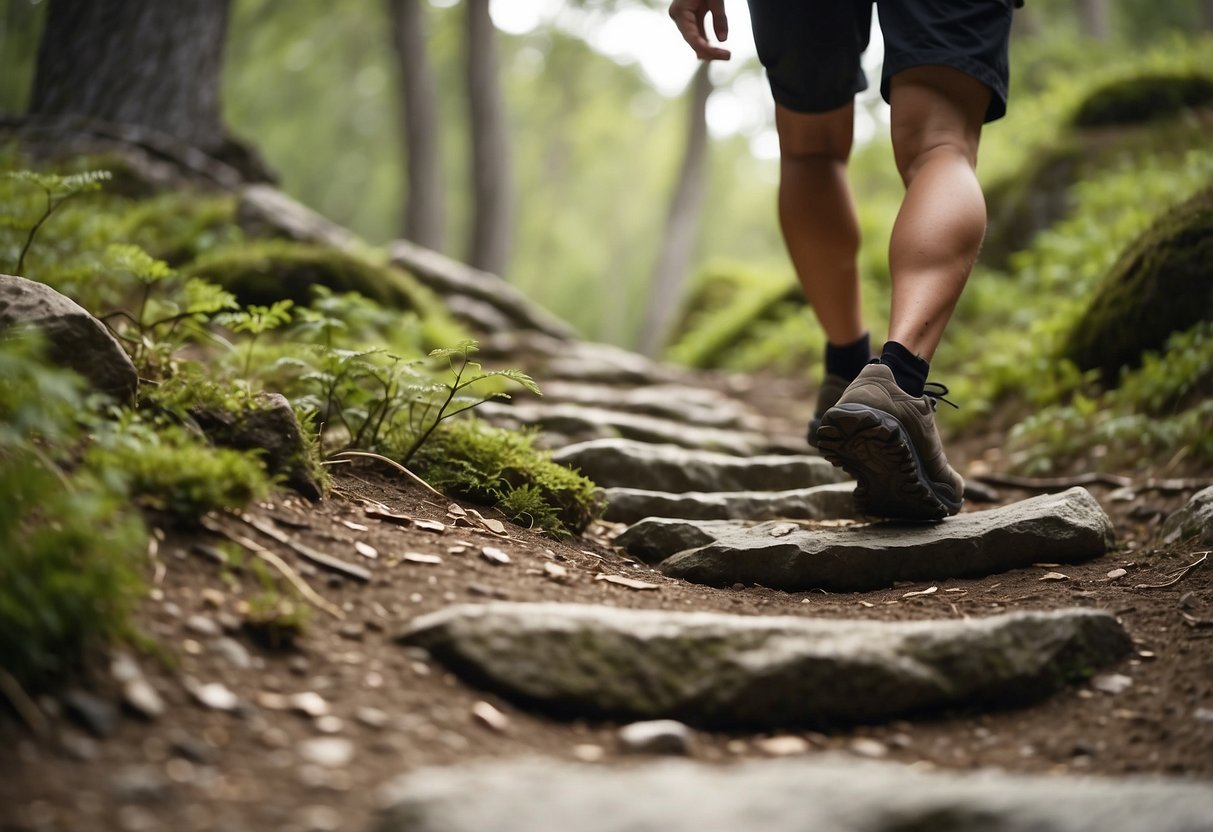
x: 874, y: 448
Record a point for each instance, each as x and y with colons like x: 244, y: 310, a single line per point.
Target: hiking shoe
x: 832, y: 388
x: 887, y: 440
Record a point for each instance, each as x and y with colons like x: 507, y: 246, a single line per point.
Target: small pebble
x: 215, y: 696
x: 490, y: 717
x: 330, y: 752
x: 139, y: 696
x: 657, y: 736
x: 309, y: 703
x: 202, y: 625
x: 99, y: 716
x: 588, y: 752
x: 1112, y: 683
x: 867, y: 747
x: 233, y: 652
x: 786, y: 745
x: 1117, y: 573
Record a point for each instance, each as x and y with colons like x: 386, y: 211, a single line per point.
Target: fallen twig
x: 25, y: 707
x: 295, y: 579
x: 1179, y: 574
x: 395, y: 465
x: 328, y: 562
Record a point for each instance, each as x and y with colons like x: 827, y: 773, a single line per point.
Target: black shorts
x: 811, y: 48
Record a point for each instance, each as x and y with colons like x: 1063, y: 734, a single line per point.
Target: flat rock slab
x: 681, y: 402
x: 762, y: 672
x: 627, y: 505
x: 625, y: 463
x: 829, y: 793
x: 596, y: 423
x: 654, y: 539
x: 1068, y: 528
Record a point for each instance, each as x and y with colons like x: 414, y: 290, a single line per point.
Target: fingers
x: 688, y: 16
x: 720, y: 22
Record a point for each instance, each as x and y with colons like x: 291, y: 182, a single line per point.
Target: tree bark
x: 492, y: 183
x: 424, y: 209
x: 1093, y: 18
x: 682, y: 221
x: 155, y: 65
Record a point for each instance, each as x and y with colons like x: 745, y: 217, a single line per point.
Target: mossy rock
x: 1037, y: 196
x: 1162, y: 283
x: 266, y: 271
x: 1143, y: 98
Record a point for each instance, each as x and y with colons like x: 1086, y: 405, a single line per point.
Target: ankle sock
x: 848, y: 360
x: 909, y: 370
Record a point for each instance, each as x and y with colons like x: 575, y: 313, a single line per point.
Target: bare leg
x: 937, y: 113
x: 818, y: 218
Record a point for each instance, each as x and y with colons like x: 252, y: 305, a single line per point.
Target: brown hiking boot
x: 832, y: 388
x: 887, y: 440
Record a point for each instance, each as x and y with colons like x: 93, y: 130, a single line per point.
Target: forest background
x: 595, y: 151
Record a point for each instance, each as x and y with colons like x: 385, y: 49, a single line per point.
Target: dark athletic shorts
x: 811, y: 48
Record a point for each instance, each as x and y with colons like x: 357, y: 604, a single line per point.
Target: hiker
x: 945, y: 75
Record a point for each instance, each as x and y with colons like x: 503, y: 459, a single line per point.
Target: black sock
x: 848, y: 360
x: 909, y: 370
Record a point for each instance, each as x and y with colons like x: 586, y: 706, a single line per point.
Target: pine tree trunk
x: 674, y: 258
x: 424, y: 210
x: 493, y: 188
x: 151, y: 64
x: 1093, y: 18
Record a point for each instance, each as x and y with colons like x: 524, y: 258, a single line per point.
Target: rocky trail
x: 1041, y: 661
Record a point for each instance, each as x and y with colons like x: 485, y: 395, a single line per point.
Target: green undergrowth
x: 213, y: 322
x: 502, y: 468
x: 71, y: 548
x: 1161, y: 411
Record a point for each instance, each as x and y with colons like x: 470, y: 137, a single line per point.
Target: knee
x: 915, y: 147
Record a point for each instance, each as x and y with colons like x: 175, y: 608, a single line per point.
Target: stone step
x: 821, y: 502
x: 625, y: 463
x: 761, y: 672
x: 575, y: 423
x: 831, y: 793
x: 697, y: 405
x: 1067, y: 528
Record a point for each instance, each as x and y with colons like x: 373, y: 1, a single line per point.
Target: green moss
x: 1142, y: 98
x: 723, y: 310
x: 465, y: 458
x: 180, y: 226
x: 1160, y: 285
x: 266, y: 271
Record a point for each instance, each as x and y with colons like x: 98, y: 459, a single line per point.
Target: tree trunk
x: 424, y: 211
x: 493, y: 188
x: 155, y: 65
x: 674, y: 257
x: 1206, y: 14
x: 1093, y: 18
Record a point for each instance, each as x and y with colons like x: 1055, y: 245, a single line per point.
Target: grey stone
x: 586, y: 423
x: 624, y: 463
x: 695, y: 405
x: 450, y: 278
x: 656, y: 736
x: 330, y: 752
x: 140, y: 697
x: 654, y: 539
x: 1193, y: 521
x: 829, y: 793
x: 771, y: 672
x: 140, y: 784
x: 269, y: 425
x: 74, y: 338
x: 264, y: 211
x: 99, y: 716
x: 627, y: 505
x: 1067, y: 528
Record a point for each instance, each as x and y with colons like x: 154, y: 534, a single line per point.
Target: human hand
x: 688, y: 16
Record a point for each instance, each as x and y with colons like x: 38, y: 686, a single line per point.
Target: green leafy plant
x: 58, y: 190
x: 256, y: 320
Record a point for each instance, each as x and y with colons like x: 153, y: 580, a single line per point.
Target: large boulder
x: 74, y: 338
x: 1143, y: 98
x: 1162, y: 284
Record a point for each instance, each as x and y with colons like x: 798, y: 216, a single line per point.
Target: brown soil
x: 235, y: 771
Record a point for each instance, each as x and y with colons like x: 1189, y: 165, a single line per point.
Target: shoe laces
x: 935, y: 393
